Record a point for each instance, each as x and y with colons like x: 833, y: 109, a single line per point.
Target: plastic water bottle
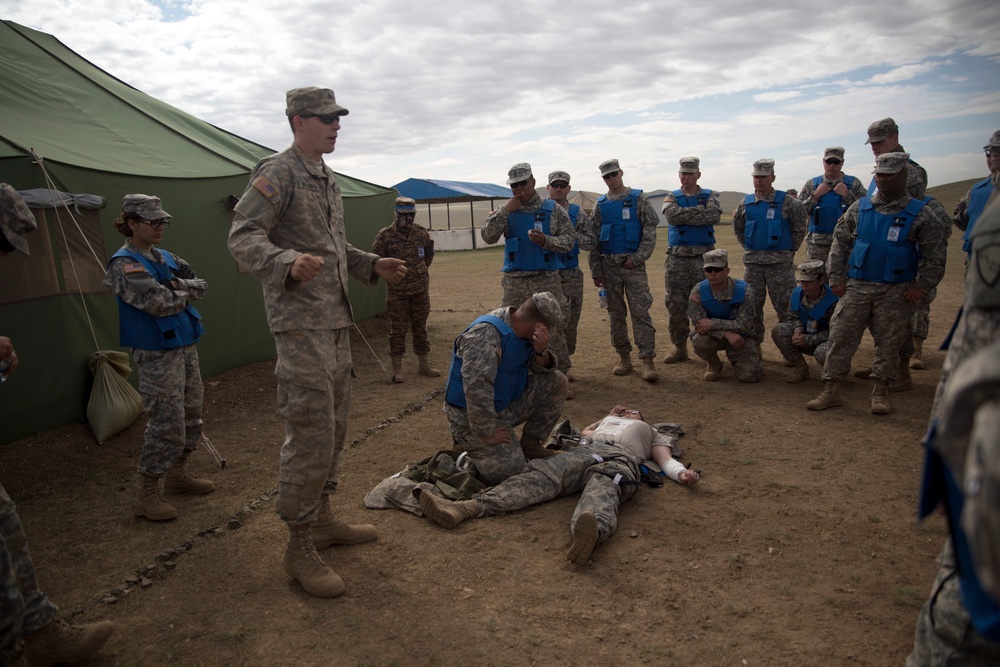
x: 602, y: 295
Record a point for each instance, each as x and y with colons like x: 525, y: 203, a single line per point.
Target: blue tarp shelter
x: 429, y: 191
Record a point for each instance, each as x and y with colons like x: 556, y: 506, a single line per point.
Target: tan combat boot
x: 303, y: 564
x: 880, y: 399
x: 179, y: 480
x: 863, y: 374
x: 649, y: 373
x: 917, y: 360
x: 799, y: 372
x: 624, y: 365
x: 533, y: 449
x: 148, y: 502
x: 714, y: 369
x: 397, y: 368
x: 585, y: 538
x: 679, y: 354
x: 328, y: 530
x: 829, y: 398
x: 58, y: 642
x: 425, y: 367
x: 905, y: 380
x: 446, y: 513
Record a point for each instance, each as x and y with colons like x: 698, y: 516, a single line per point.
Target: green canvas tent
x: 96, y: 135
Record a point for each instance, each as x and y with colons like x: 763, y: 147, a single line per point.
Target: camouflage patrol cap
x: 891, y: 163
x: 312, y: 100
x: 763, y: 167
x: 689, y: 165
x: 16, y: 219
x: 834, y: 151
x: 718, y: 257
x: 519, y: 172
x: 994, y: 141
x: 146, y: 207
x: 881, y: 129
x: 548, y: 307
x: 558, y: 175
x: 609, y: 167
x: 810, y: 270
x: 405, y: 205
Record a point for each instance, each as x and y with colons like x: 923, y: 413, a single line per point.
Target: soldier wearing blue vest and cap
x: 825, y: 198
x: 970, y: 207
x: 807, y: 328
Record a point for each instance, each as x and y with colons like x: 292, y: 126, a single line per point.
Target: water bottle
x: 602, y: 295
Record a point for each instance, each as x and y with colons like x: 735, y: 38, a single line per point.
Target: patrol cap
x: 16, y: 219
x: 763, y: 167
x: 718, y: 257
x: 834, y: 151
x: 558, y: 176
x: 881, y: 129
x: 609, y: 167
x: 994, y: 141
x: 547, y: 305
x: 810, y: 270
x: 891, y: 163
x: 519, y: 172
x: 405, y: 205
x: 146, y: 207
x: 312, y: 99
x: 689, y: 165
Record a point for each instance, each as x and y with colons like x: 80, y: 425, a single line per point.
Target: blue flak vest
x: 981, y: 192
x: 766, y: 227
x: 691, y: 235
x: 571, y: 259
x: 718, y: 310
x: 139, y: 329
x: 621, y: 229
x: 814, y: 320
x: 882, y: 253
x: 512, y: 371
x: 520, y: 252
x: 828, y: 209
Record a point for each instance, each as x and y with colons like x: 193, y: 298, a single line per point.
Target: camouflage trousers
x: 314, y: 397
x: 680, y: 275
x: 25, y: 609
x: 920, y: 324
x: 745, y: 361
x: 538, y: 408
x: 412, y: 310
x: 631, y: 285
x: 572, y: 288
x: 172, y: 393
x: 818, y: 248
x: 590, y: 469
x: 944, y: 633
x: 518, y: 289
x: 778, y: 281
x: 880, y: 307
x: 781, y: 334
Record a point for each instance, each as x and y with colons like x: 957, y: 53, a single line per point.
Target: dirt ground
x: 799, y: 546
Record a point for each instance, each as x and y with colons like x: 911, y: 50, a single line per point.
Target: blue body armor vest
x: 766, y: 228
x: 716, y: 309
x: 691, y: 235
x: 512, y: 371
x: 981, y: 192
x: 571, y: 259
x: 882, y: 252
x: 828, y: 209
x: 621, y: 229
x: 814, y: 320
x: 520, y: 252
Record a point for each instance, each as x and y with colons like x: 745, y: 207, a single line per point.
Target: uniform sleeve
x: 649, y: 219
x: 495, y: 225
x: 744, y: 321
x: 806, y: 196
x: 740, y: 223
x: 428, y: 248
x: 585, y: 234
x: 480, y: 348
x: 563, y: 236
x: 675, y: 214
x: 131, y: 283
x: 594, y: 259
x: 840, y: 248
x: 961, y: 215
x: 931, y: 230
x: 185, y: 271
x: 798, y: 220
x: 379, y: 245
x: 916, y: 181
x: 856, y: 192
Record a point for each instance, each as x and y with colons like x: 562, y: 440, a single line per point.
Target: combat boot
x: 533, y: 449
x: 679, y: 354
x: 58, y: 642
x: 148, y: 502
x: 303, y: 564
x: 585, y: 538
x: 880, y: 400
x: 397, y: 368
x: 917, y: 360
x: 863, y: 374
x: 649, y: 373
x: 714, y: 369
x: 799, y: 372
x: 446, y: 513
x: 328, y: 530
x: 624, y: 365
x: 425, y: 367
x: 829, y: 398
x: 179, y: 480
x: 905, y: 381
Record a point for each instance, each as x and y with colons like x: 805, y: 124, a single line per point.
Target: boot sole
x: 585, y: 536
x: 320, y: 592
x: 436, y: 513
x: 825, y: 406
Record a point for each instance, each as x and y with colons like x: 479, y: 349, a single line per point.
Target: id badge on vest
x: 893, y: 234
x: 420, y: 252
x: 627, y: 211
x: 770, y: 214
x: 812, y: 327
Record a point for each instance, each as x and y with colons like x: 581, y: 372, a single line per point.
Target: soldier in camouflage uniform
x: 770, y: 226
x: 288, y: 230
x: 888, y: 252
x: 807, y: 328
x: 503, y: 373
x: 692, y: 213
x: 825, y: 198
x: 971, y: 205
x: 721, y: 310
x: 624, y: 225
x: 963, y: 464
x: 408, y: 301
x: 27, y: 611
x: 605, y: 471
x: 157, y: 319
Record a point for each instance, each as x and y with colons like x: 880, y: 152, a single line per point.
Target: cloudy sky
x: 463, y: 89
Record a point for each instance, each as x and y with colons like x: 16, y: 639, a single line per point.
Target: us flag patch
x: 265, y: 187
x: 133, y: 267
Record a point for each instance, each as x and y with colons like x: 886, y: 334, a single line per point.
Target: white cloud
x: 903, y: 73
x: 763, y: 98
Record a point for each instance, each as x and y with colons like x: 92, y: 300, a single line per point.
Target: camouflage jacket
x: 407, y: 245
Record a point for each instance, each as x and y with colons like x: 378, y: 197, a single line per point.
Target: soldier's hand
x: 799, y: 339
x: 537, y: 237
x: 913, y: 295
x: 306, y: 267
x: 188, y: 284
x: 540, y: 338
x: 841, y: 189
x: 390, y: 268
x: 8, y: 355
x: 502, y: 434
x: 839, y: 290
x: 628, y: 264
x: 703, y: 326
x: 821, y: 190
x: 736, y: 340
x: 513, y: 204
x: 599, y: 281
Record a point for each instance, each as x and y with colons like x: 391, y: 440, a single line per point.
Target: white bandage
x: 673, y: 469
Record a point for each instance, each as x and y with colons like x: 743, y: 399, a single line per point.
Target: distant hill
x: 950, y: 193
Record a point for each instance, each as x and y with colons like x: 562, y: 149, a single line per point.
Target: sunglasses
x: 325, y: 118
x: 559, y: 185
x: 833, y: 160
x: 714, y: 269
x: 990, y: 151
x: 608, y: 177
x: 519, y: 184
x: 156, y: 224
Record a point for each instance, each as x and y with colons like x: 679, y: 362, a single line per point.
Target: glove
x: 192, y: 285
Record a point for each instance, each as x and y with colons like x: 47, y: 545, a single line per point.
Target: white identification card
x: 770, y: 214
x: 893, y: 234
x: 420, y: 252
x: 626, y: 214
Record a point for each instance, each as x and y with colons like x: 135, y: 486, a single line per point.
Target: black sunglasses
x: 714, y: 269
x: 325, y: 118
x: 519, y: 184
x: 559, y: 185
x: 833, y: 160
x: 611, y: 175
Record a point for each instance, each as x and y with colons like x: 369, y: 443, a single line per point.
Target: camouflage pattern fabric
x: 774, y: 280
x: 746, y: 361
x: 142, y: 290
x: 916, y: 176
x: 407, y: 311
x: 572, y: 288
x: 816, y: 344
x: 680, y: 275
x: 920, y: 324
x: 407, y: 303
x: 817, y: 244
x: 561, y: 238
x: 960, y: 216
x: 519, y: 288
x: 705, y: 215
x: 794, y: 214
